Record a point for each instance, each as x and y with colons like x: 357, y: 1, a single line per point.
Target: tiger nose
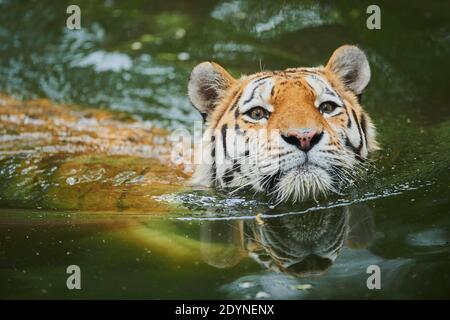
x: 304, y: 139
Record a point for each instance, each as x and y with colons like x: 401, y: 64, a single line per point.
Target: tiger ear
x: 351, y: 65
x: 207, y: 84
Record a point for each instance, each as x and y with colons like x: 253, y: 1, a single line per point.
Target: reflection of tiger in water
x: 303, y: 245
x: 308, y: 244
x: 292, y: 134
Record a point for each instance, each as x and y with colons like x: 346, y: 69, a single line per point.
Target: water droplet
x: 246, y: 285
x: 301, y: 287
x: 262, y: 295
x: 136, y: 45
x: 71, y: 181
x: 183, y: 56
x: 180, y: 33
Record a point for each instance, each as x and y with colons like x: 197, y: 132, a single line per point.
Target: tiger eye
x: 327, y: 107
x: 257, y: 113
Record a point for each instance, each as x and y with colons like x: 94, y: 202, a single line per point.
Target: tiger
x: 294, y: 134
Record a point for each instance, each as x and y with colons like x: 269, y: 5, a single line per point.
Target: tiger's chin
x: 303, y: 183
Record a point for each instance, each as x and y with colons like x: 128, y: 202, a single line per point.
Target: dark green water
x: 133, y: 58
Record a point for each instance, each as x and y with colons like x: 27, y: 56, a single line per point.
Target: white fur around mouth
x: 303, y: 182
x: 306, y: 167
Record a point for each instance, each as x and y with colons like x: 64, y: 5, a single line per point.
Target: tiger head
x: 292, y: 134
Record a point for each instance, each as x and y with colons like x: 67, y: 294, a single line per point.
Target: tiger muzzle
x: 304, y: 139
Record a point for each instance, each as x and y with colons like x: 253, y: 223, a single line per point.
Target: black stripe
x: 238, y: 130
x: 236, y: 166
x: 261, y: 79
x: 349, y: 145
x: 213, y: 166
x: 253, y: 93
x: 213, y: 156
x: 359, y: 131
x: 224, y: 139
x: 228, y: 176
x: 229, y: 173
x: 236, y: 100
x: 328, y: 91
x: 359, y: 97
x: 364, y: 126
